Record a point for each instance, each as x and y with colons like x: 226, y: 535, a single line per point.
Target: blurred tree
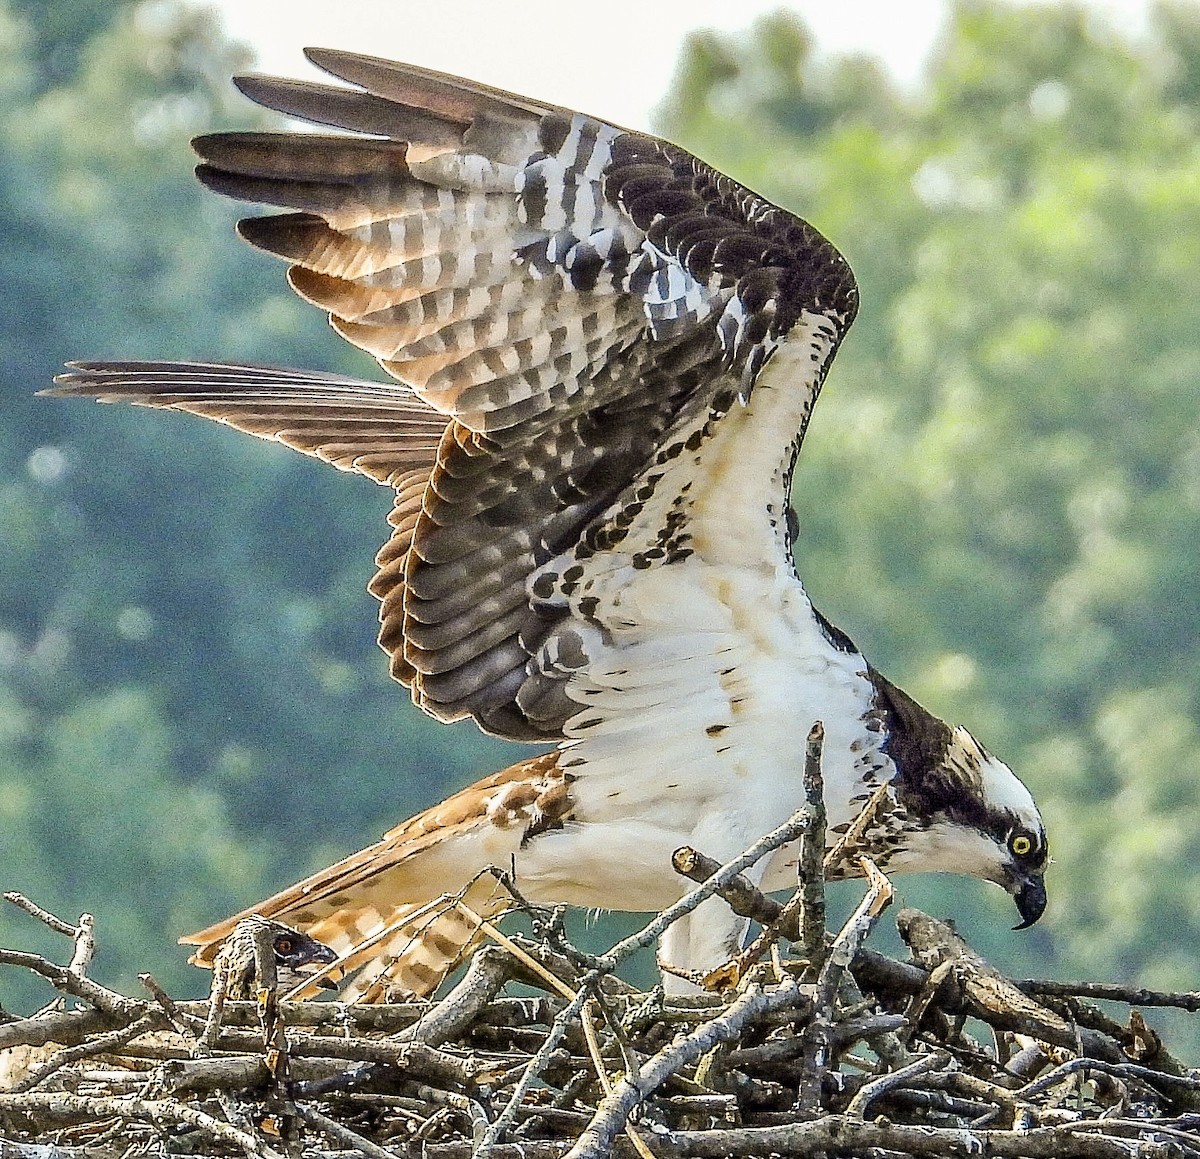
x: 94, y: 821
x: 214, y: 586
x: 999, y: 494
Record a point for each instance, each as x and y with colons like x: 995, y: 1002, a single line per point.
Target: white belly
x: 697, y: 735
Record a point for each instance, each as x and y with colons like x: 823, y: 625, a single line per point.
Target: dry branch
x: 1112, y: 992
x: 809, y: 861
x: 867, y: 1055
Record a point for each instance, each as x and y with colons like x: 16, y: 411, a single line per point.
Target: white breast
x: 706, y: 674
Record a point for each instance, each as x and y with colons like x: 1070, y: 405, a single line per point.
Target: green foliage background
x: 999, y: 499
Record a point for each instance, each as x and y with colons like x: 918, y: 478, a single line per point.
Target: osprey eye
x: 283, y: 945
x: 1020, y: 844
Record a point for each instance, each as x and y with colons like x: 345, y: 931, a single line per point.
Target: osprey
x: 605, y: 357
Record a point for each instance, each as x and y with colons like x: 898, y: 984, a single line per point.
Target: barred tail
x: 399, y: 912
x: 422, y: 945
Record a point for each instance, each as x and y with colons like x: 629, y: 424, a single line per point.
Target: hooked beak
x: 317, y: 953
x: 328, y: 953
x: 308, y: 957
x: 1029, y: 892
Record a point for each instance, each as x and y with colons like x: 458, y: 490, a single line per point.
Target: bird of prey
x: 235, y: 969
x: 604, y: 355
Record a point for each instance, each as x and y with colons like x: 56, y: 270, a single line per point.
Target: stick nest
x: 539, y: 1050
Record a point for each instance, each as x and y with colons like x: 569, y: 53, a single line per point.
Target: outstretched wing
x: 568, y: 295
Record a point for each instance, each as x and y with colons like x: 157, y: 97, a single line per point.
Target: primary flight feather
x: 605, y: 355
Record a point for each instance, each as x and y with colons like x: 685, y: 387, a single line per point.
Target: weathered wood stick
x: 740, y: 893
x: 596, y: 1141
x: 991, y: 996
x: 810, y: 865
x: 1111, y: 992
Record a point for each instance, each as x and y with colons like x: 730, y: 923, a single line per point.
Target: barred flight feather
x: 564, y: 292
x: 381, y: 908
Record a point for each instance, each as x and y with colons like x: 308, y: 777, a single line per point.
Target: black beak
x: 307, y: 951
x: 1031, y: 900
x: 319, y: 952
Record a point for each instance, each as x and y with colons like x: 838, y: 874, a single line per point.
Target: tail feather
x: 426, y: 944
x: 390, y: 911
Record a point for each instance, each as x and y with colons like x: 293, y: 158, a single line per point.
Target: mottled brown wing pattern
x: 563, y: 291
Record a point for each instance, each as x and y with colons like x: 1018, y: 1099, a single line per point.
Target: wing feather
x: 562, y: 301
x: 343, y: 108
x: 379, y: 430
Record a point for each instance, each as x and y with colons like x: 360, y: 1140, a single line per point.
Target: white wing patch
x: 673, y: 298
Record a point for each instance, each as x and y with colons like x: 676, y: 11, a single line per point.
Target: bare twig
x: 175, y: 1016
x: 1122, y: 1069
x: 558, y: 1028
x: 648, y: 934
x: 846, y: 845
x: 821, y: 1034
x: 60, y: 1107
x: 850, y: 1136
x: 342, y: 1134
x: 93, y: 1046
x: 68, y: 982
x: 449, y: 1019
x: 596, y: 1140
x: 65, y: 1027
x: 869, y: 1092
x: 85, y: 945
x: 1112, y: 992
x: 810, y: 862
x: 42, y: 915
x: 860, y: 923
x: 740, y: 893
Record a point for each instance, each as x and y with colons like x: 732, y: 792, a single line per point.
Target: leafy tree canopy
x: 999, y: 498
x: 999, y: 493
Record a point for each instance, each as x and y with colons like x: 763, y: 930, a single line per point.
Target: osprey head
x: 292, y: 950
x: 974, y: 816
x: 965, y: 811
x: 1016, y: 829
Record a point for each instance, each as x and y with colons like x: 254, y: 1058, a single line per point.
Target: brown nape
x: 930, y: 783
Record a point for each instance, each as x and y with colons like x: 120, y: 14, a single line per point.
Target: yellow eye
x: 1020, y: 844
